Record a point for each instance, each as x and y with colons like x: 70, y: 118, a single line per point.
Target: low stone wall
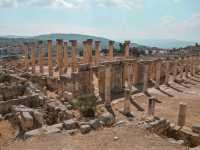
x: 32, y: 101
x: 11, y: 91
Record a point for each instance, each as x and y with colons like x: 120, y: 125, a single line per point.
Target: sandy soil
x: 129, y: 138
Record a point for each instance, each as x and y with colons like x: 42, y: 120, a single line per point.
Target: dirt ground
x: 127, y: 136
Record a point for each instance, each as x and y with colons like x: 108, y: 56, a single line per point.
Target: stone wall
x: 29, y: 101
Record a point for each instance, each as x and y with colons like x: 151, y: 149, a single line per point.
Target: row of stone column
x: 62, y: 60
x: 185, y: 64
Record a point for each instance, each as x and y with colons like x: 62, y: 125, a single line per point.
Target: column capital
x: 59, y: 41
x: 111, y: 42
x: 49, y: 41
x: 84, y: 42
x: 97, y: 42
x: 73, y: 42
x: 127, y: 42
x: 89, y: 41
x: 65, y: 43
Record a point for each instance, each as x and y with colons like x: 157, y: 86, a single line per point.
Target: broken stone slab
x: 44, y: 130
x: 107, y: 119
x: 196, y: 129
x: 26, y: 121
x: 85, y: 129
x: 95, y: 124
x: 70, y: 124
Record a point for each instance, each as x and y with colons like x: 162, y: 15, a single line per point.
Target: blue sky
x: 116, y: 19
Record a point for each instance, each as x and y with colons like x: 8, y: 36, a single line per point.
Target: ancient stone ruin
x: 43, y: 92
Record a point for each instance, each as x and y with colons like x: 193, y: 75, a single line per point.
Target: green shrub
x: 86, y: 105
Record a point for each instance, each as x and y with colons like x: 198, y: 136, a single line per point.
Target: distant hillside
x: 164, y: 43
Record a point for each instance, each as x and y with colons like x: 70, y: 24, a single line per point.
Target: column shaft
x: 97, y: 53
x: 110, y: 50
x: 65, y: 60
x: 50, y: 67
x: 108, y: 84
x: 146, y: 77
x: 33, y: 57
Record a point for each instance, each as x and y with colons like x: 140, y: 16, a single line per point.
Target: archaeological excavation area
x: 54, y: 98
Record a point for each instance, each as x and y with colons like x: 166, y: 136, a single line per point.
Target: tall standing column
x: 26, y: 61
x: 85, y: 52
x: 191, y: 66
x: 146, y: 77
x: 110, y: 50
x: 107, y: 84
x: 74, y: 55
x: 127, y: 74
x: 41, y: 57
x: 158, y: 71
x: 50, y: 67
x: 89, y: 50
x: 181, y: 67
x: 194, y: 65
x: 175, y: 70
x: 97, y: 53
x: 59, y: 47
x: 65, y: 60
x: 126, y: 49
x: 33, y: 57
x: 186, y: 66
x: 167, y: 73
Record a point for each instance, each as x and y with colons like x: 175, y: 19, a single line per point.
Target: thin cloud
x: 73, y: 3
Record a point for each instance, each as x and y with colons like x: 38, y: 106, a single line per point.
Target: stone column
x: 97, y: 53
x: 151, y: 106
x: 186, y: 66
x: 194, y: 65
x: 191, y: 66
x: 89, y: 50
x: 50, y: 66
x: 33, y: 57
x: 175, y: 70
x: 85, y: 52
x: 158, y: 72
x: 26, y: 61
x: 146, y: 77
x: 65, y: 60
x: 181, y: 67
x: 41, y: 57
x: 127, y: 74
x: 74, y: 56
x: 135, y: 73
x: 110, y: 50
x: 167, y: 72
x: 59, y: 47
x: 126, y: 49
x: 108, y: 84
x: 182, y: 114
x: 127, y: 98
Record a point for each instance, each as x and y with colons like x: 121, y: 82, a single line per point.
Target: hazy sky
x: 117, y: 19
